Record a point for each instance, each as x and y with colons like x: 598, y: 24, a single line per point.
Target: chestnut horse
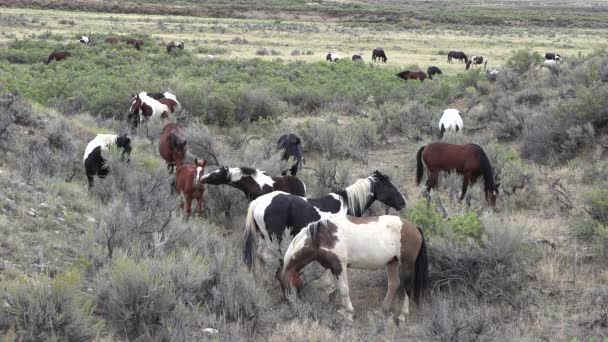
x: 172, y: 145
x: 188, y: 183
x: 468, y: 160
x: 412, y: 75
x: 58, y: 56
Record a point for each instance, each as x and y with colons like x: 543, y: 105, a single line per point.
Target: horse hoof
x: 346, y: 314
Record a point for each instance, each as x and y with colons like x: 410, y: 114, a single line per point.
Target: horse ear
x: 204, y: 163
x: 195, y: 161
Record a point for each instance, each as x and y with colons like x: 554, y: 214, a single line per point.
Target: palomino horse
x: 332, y: 57
x: 172, y: 46
x: 254, y: 183
x: 379, y: 55
x: 271, y: 214
x: 459, y: 55
x: 188, y: 182
x: 412, y: 75
x: 450, y: 119
x: 93, y: 160
x: 477, y: 60
x: 172, y: 145
x: 468, y: 160
x: 144, y: 107
x: 58, y: 56
x: 433, y: 70
x: 362, y: 243
x: 291, y: 145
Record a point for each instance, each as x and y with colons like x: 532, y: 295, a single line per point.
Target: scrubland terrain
x: 119, y: 262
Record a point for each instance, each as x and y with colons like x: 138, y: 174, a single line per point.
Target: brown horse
x: 188, y: 183
x: 58, y: 56
x: 111, y: 40
x: 412, y: 75
x: 468, y: 160
x: 137, y: 43
x: 172, y: 145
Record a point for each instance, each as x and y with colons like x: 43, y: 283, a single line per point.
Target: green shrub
x: 425, y: 217
x: 524, y: 60
x: 466, y: 225
x: 597, y: 202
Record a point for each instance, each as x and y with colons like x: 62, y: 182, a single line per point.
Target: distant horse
x: 158, y: 96
x: 188, y: 183
x: 58, y: 56
x: 254, y: 183
x: 477, y: 60
x: 111, y: 40
x: 86, y: 40
x: 361, y: 243
x: 144, y: 107
x: 468, y: 160
x: 137, y: 43
x: 379, y: 55
x: 271, y: 214
x: 93, y: 160
x: 332, y: 57
x: 172, y: 46
x: 412, y: 75
x: 459, y: 55
x: 491, y: 75
x: 553, y: 56
x: 357, y: 58
x: 291, y: 145
x: 172, y: 145
x: 450, y: 119
x: 551, y: 65
x: 433, y: 70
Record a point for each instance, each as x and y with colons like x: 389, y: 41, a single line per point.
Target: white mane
x: 358, y: 195
x: 451, y: 119
x: 101, y: 140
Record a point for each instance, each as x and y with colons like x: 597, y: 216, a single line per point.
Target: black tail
x: 486, y: 171
x: 314, y: 230
x: 419, y: 166
x: 249, y: 247
x: 421, y: 271
x: 442, y: 131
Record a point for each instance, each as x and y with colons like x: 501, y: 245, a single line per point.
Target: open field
x: 118, y: 262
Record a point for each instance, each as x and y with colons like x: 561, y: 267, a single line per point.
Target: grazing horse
x: 171, y: 46
x: 361, y: 243
x: 332, y: 57
x: 551, y: 65
x: 357, y: 58
x: 379, y: 54
x: 111, y: 40
x: 271, y: 214
x: 468, y: 160
x: 86, y: 40
x: 412, y: 75
x: 291, y: 145
x: 254, y: 183
x: 459, y: 55
x: 137, y: 43
x: 93, y: 160
x: 433, y: 70
x: 553, y: 56
x: 158, y: 96
x: 491, y: 75
x: 188, y: 182
x: 450, y: 119
x: 144, y: 107
x: 58, y: 56
x: 172, y: 145
x: 477, y: 60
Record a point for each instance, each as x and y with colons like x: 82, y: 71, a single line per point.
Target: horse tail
x: 442, y: 131
x: 314, y: 230
x: 486, y: 170
x: 249, y: 248
x: 421, y: 270
x: 419, y: 166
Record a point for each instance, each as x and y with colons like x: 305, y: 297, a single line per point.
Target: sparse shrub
x: 262, y: 52
x: 524, y: 60
x: 295, y: 52
x: 259, y: 104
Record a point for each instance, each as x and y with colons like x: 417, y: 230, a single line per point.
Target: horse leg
x: 199, y: 206
x: 392, y: 274
x: 328, y: 283
x: 342, y: 285
x: 188, y: 206
x: 465, y: 185
x: 431, y: 182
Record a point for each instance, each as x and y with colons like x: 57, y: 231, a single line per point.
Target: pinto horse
x: 477, y: 60
x: 412, y: 75
x: 553, y: 56
x: 143, y: 107
x: 459, y: 55
x: 433, y: 70
x: 254, y: 183
x: 362, y: 243
x: 172, y: 46
x: 379, y: 55
x: 332, y: 57
x: 58, y: 56
x: 93, y: 160
x: 188, y: 182
x: 86, y: 40
x: 172, y: 145
x: 468, y: 160
x: 450, y: 119
x: 271, y: 214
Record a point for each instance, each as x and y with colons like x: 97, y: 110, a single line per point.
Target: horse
x: 491, y: 75
x: 332, y: 57
x: 93, y: 160
x: 361, y: 243
x: 144, y: 107
x: 450, y: 119
x: 158, y: 96
x: 188, y: 182
x: 137, y: 43
x: 468, y: 160
x: 412, y: 75
x: 172, y: 145
x: 86, y: 40
x: 477, y: 60
x: 273, y: 213
x: 459, y: 55
x: 58, y: 56
x: 171, y: 46
x: 357, y: 58
x: 551, y: 65
x: 553, y: 56
x: 291, y: 145
x: 379, y: 54
x: 254, y: 183
x: 111, y: 40
x: 433, y: 70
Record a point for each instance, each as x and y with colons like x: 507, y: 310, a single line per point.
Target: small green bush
x: 466, y: 225
x: 425, y: 217
x: 524, y: 60
x: 597, y: 201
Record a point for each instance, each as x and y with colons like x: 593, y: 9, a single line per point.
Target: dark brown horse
x: 137, y: 43
x: 172, y: 145
x: 412, y: 75
x: 111, y: 40
x: 58, y: 56
x: 468, y: 160
x: 188, y: 183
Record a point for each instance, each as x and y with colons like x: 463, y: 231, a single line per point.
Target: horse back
x: 165, y: 144
x: 449, y: 157
x: 170, y: 103
x: 289, y: 184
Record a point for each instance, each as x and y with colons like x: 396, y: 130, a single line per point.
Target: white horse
x: 361, y: 243
x: 450, y: 119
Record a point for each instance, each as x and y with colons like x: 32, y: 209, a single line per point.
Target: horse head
x: 404, y: 74
x: 200, y: 167
x: 180, y: 45
x: 491, y: 196
x: 123, y: 142
x: 469, y: 64
x: 179, y: 150
x: 384, y: 191
x: 217, y: 177
x: 290, y: 280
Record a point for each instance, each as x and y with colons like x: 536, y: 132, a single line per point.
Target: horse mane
x: 486, y: 170
x: 357, y: 195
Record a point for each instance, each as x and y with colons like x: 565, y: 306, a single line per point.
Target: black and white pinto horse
x: 93, y: 160
x: 553, y: 56
x: 86, y: 40
x: 433, y: 70
x: 379, y: 55
x: 275, y: 212
x: 254, y: 183
x: 332, y: 57
x: 459, y: 55
x: 477, y: 60
x: 291, y: 145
